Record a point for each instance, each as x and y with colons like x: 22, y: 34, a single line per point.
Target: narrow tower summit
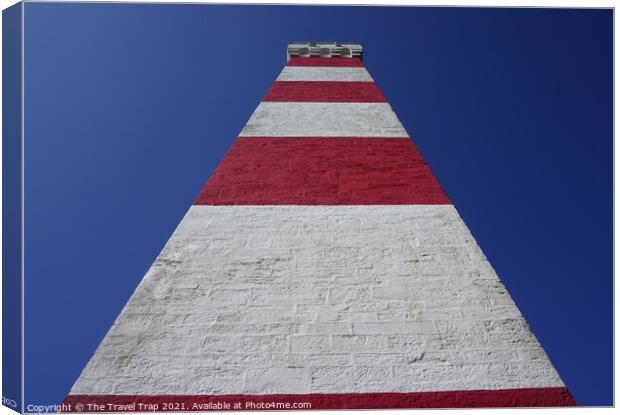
x: 322, y: 266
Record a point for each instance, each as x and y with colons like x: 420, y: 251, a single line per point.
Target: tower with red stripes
x: 322, y: 266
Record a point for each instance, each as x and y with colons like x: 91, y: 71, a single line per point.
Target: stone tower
x: 322, y: 266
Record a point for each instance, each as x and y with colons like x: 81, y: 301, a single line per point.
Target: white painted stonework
x: 324, y: 73
x: 333, y: 299
x: 323, y: 119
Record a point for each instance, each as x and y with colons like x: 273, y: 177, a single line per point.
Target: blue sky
x: 129, y: 108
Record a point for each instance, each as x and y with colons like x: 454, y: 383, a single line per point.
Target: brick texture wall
x: 321, y: 263
x: 303, y: 299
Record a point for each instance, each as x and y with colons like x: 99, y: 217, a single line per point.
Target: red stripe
x: 324, y: 91
x: 319, y: 61
x: 322, y: 171
x: 535, y: 397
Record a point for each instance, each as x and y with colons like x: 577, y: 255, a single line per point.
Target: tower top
x: 325, y: 49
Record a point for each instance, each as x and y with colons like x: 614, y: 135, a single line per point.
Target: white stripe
x: 320, y: 119
x: 318, y: 299
x: 308, y: 73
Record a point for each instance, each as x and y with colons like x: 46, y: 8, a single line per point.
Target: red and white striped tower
x: 321, y: 266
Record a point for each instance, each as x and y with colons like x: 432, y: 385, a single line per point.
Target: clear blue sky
x: 129, y: 108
